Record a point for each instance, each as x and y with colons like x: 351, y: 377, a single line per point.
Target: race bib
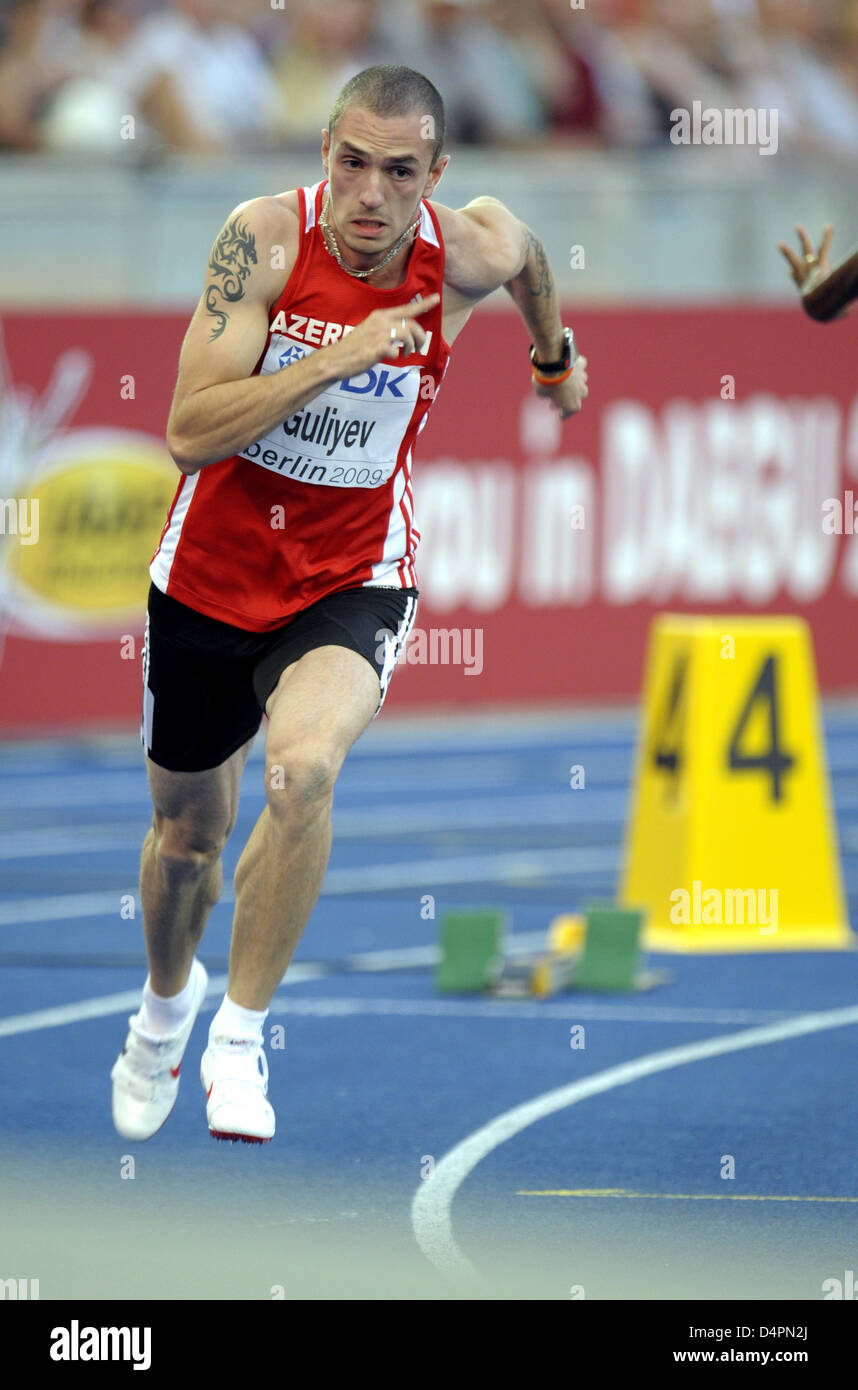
x: 349, y: 435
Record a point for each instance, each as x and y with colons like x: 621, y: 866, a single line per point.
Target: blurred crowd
x: 218, y: 76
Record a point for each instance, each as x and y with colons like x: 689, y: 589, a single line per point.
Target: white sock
x: 234, y: 1021
x: 162, y: 1016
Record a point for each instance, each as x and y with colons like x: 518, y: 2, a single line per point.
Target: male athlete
x: 307, y: 372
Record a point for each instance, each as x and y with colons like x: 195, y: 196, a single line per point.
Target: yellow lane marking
x: 677, y: 1196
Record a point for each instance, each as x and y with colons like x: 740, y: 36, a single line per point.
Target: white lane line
x: 432, y: 1203
x: 94, y: 790
x: 383, y: 961
x: 397, y: 741
x: 476, y: 868
x: 60, y: 908
x: 121, y: 788
x: 406, y: 957
x: 484, y: 813
x: 522, y: 812
x: 520, y: 867
x: 341, y: 1006
x: 410, y: 958
x: 479, y: 772
x: 606, y: 782
x: 525, y: 814
x: 489, y: 727
x: 65, y: 841
x: 299, y: 973
x: 391, y: 960
x: 109, y: 1004
x: 72, y: 1013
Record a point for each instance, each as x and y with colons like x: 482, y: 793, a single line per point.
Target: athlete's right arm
x: 219, y: 405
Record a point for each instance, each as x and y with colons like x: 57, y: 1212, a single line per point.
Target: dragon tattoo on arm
x: 233, y: 256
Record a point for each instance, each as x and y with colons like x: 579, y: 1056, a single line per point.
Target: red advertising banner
x: 712, y: 470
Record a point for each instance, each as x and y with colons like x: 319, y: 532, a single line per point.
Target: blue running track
x: 749, y: 1058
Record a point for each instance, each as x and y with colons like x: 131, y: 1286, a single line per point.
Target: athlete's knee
x: 184, y: 850
x: 299, y: 781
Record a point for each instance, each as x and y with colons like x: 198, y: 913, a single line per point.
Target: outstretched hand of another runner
x: 825, y: 293
x: 811, y: 266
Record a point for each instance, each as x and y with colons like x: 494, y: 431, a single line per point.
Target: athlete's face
x: 379, y: 168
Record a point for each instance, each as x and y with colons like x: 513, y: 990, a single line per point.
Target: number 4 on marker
x: 667, y: 750
x: 774, y: 760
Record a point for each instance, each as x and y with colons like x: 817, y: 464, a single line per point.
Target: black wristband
x: 563, y: 364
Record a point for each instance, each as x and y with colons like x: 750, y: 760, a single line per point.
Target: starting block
x: 610, y: 959
x: 472, y: 949
x: 599, y: 951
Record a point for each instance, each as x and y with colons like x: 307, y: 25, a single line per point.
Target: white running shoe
x: 146, y: 1073
x: 234, y: 1073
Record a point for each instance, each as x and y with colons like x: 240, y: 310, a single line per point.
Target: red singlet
x: 324, y: 501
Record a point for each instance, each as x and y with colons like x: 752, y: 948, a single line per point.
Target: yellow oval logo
x: 102, y: 498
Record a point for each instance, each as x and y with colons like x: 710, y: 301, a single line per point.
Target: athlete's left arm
x: 488, y: 247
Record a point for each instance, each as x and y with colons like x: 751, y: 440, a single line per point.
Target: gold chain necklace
x: 331, y: 243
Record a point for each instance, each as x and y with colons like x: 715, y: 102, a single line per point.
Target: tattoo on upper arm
x: 232, y: 256
x: 539, y: 279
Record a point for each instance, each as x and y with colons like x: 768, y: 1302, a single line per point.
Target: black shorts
x: 206, y: 683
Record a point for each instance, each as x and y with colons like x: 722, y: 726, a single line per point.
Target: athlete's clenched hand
x: 390, y: 332
x: 568, y: 396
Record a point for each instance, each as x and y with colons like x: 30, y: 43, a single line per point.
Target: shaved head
x: 392, y: 90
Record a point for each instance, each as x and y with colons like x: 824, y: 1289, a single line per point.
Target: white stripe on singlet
x: 310, y: 204
x: 426, y: 230
x: 162, y: 564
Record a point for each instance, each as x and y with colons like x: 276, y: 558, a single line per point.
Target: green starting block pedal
x: 472, y: 949
x: 610, y: 959
x: 602, y: 954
